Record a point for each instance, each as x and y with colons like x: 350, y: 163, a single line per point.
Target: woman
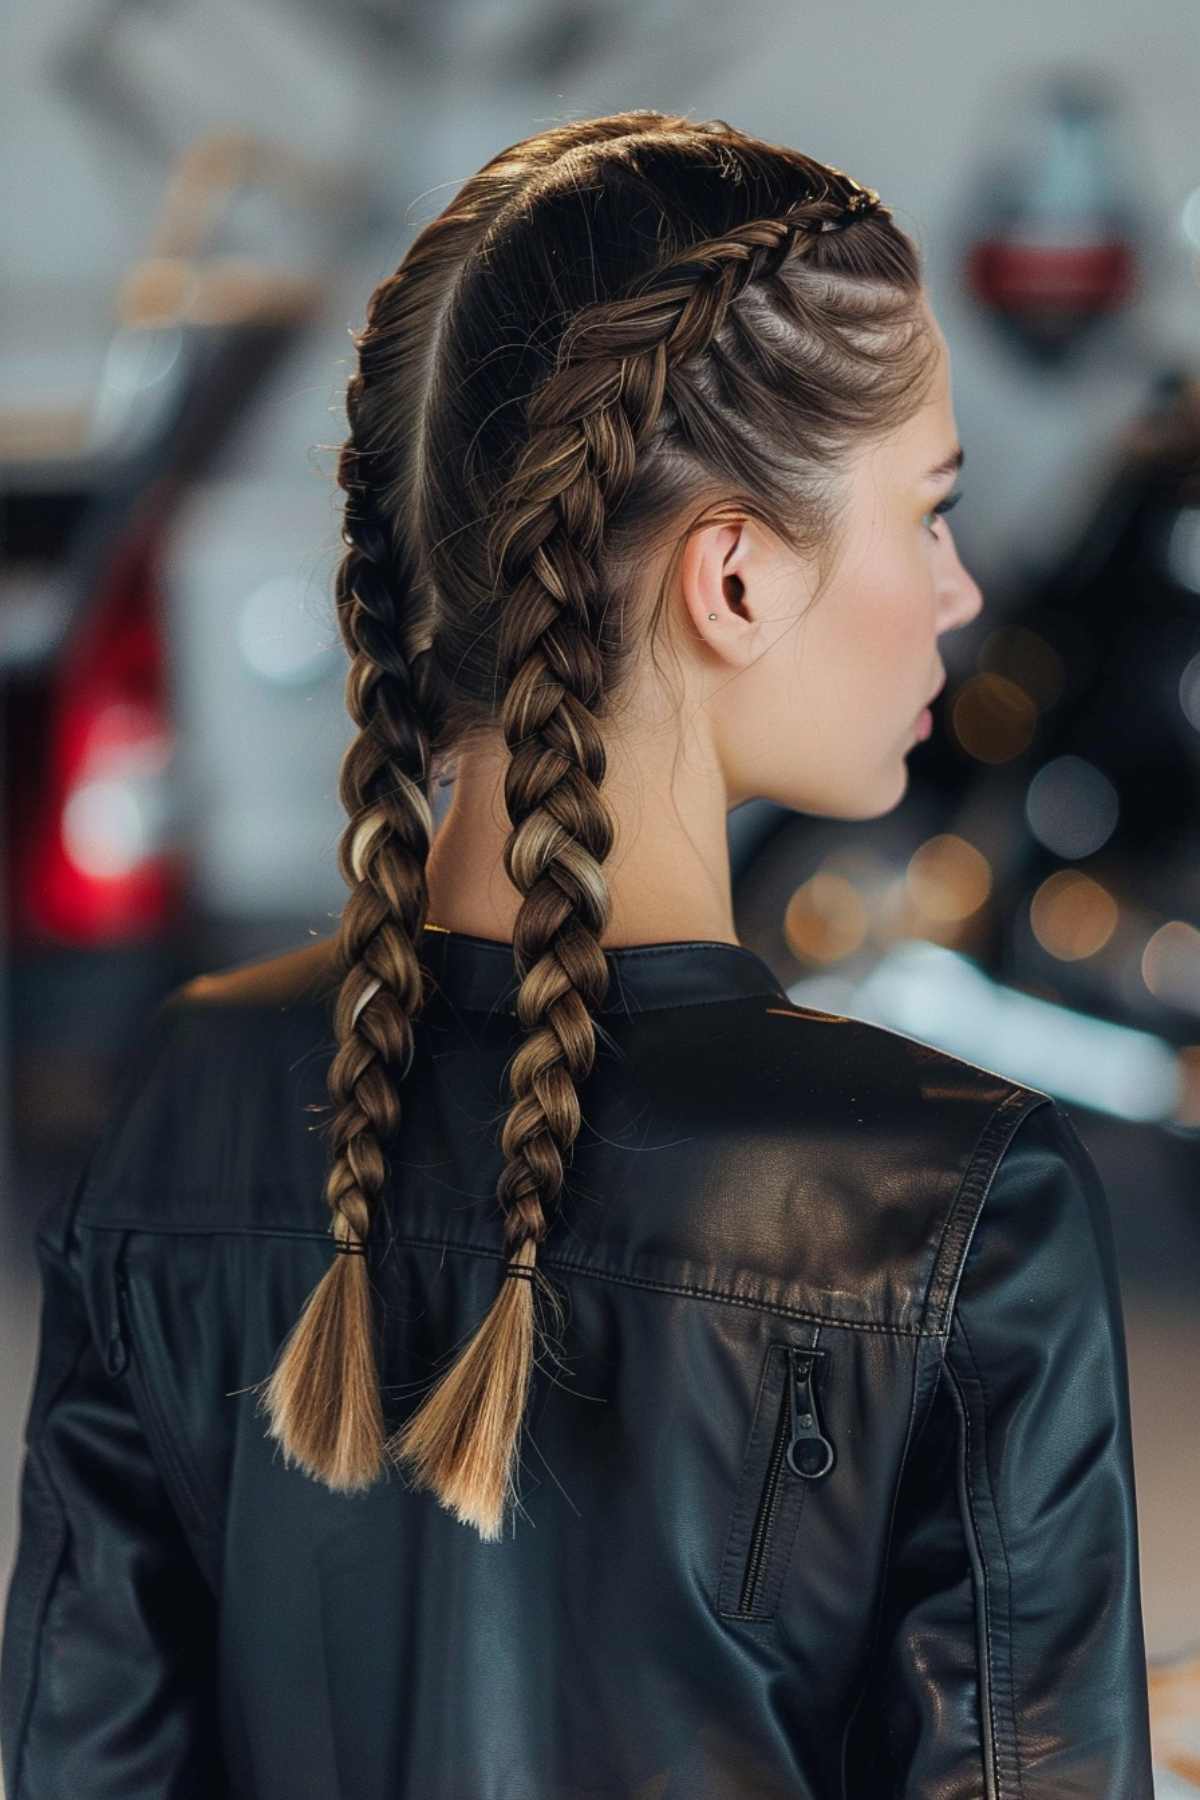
x: 805, y: 1337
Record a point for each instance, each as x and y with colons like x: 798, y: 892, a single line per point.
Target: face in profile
x: 827, y: 693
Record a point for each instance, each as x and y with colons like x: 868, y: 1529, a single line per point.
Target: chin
x: 862, y: 799
x: 885, y: 798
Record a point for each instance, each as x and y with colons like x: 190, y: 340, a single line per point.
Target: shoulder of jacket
x: 301, y: 975
x: 922, y: 1086
x: 908, y: 1138
x: 201, y: 1134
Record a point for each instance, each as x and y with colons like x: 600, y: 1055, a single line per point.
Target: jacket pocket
x: 789, y: 1451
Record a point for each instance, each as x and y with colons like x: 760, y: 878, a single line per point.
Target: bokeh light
x: 993, y: 718
x: 1072, y: 807
x: 1072, y: 915
x: 1171, y: 964
x: 826, y: 918
x: 948, y: 879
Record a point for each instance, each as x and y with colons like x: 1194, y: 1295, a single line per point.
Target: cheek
x: 879, y: 638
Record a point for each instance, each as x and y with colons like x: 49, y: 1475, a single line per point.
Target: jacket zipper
x: 800, y: 1448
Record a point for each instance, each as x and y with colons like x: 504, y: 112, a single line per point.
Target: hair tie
x: 344, y: 1248
x: 525, y: 1274
x: 862, y: 201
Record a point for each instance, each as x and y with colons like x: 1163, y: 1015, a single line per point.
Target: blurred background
x: 197, y: 202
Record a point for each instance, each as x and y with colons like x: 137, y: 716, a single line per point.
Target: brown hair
x: 618, y: 330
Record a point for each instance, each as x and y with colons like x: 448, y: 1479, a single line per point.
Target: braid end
x: 322, y: 1398
x: 461, y: 1442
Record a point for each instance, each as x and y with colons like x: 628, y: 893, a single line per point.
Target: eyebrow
x: 953, y: 462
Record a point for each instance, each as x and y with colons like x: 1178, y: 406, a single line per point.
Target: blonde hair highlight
x: 731, y: 357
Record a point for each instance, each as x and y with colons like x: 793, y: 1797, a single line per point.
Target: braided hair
x: 617, y: 330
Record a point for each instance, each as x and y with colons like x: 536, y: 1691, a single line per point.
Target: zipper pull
x: 809, y: 1451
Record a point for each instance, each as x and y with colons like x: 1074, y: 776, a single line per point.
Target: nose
x: 959, y: 599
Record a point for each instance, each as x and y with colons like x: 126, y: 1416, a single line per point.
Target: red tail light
x: 102, y: 863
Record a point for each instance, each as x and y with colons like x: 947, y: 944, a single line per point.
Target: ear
x: 713, y: 577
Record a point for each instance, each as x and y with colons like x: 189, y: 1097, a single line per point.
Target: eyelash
x: 943, y: 506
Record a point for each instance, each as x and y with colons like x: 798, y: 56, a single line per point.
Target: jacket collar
x: 478, y: 973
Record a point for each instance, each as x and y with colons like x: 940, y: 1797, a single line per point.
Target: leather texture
x: 827, y: 1490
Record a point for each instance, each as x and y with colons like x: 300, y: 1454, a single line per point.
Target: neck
x: 668, y: 871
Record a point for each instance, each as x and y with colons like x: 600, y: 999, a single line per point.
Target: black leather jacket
x: 830, y: 1494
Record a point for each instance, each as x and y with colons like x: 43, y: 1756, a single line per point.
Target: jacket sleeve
x: 107, y: 1668
x: 1011, y: 1657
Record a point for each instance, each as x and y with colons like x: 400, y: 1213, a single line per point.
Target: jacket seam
x: 993, y: 1789
x: 968, y: 1203
x: 118, y: 1223
x: 621, y: 1010
x: 195, y: 1510
x: 544, y: 1262
x: 1011, y: 1642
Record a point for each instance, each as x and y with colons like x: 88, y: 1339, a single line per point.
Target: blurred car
x: 97, y: 852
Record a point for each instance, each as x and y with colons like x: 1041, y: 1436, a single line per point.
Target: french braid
x: 322, y: 1398
x: 655, y: 383
x: 584, y: 428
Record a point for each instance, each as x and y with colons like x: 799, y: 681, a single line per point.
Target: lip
x: 922, y: 725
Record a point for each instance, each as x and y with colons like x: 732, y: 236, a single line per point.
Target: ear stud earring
x: 712, y: 615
